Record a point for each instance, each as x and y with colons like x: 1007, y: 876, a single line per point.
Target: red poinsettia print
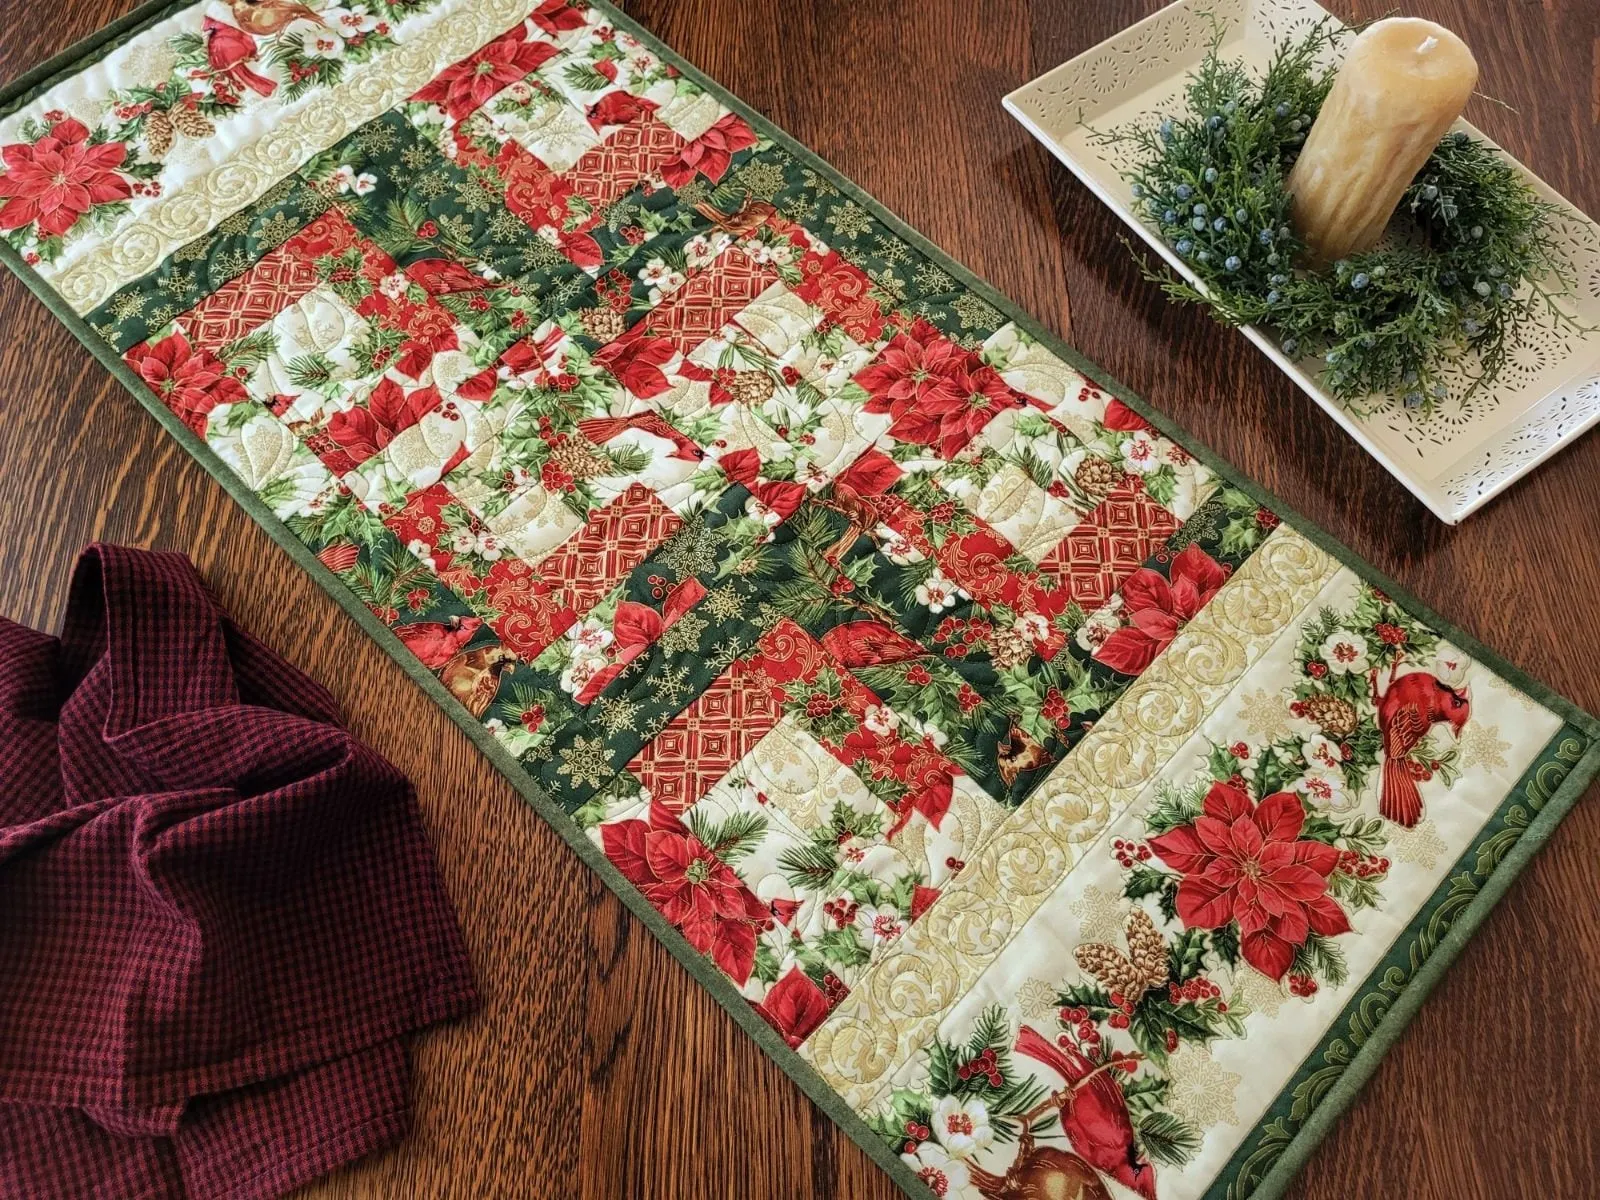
x: 56, y: 180
x: 1246, y: 864
x: 795, y: 1006
x: 690, y: 887
x: 711, y: 153
x: 190, y: 382
x: 463, y: 88
x: 938, y: 393
x: 1158, y: 607
x: 363, y: 431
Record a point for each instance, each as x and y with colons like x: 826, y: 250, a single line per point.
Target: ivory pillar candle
x: 1403, y: 84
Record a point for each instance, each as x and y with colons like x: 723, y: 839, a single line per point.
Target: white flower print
x: 1100, y: 625
x: 1033, y: 626
x: 1327, y: 789
x: 896, y: 547
x: 346, y: 179
x: 1322, y: 754
x: 962, y: 1128
x: 880, y: 719
x: 938, y: 593
x: 659, y: 277
x: 320, y: 42
x: 1140, y: 453
x: 926, y: 730
x: 756, y: 509
x: 1345, y: 653
x: 881, y: 925
x: 420, y: 551
x: 394, y: 285
x: 487, y: 546
x: 943, y: 1175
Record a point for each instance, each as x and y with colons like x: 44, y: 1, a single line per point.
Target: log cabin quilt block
x: 1063, y: 816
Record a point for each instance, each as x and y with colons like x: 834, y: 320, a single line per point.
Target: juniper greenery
x: 1468, y: 263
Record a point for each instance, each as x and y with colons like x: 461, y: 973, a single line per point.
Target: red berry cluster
x: 1055, y: 708
x: 819, y: 705
x: 983, y: 1065
x: 1240, y: 750
x: 1391, y: 635
x: 842, y: 910
x: 968, y: 698
x: 1266, y: 518
x: 532, y: 718
x: 833, y: 988
x: 916, y: 1132
x: 1302, y: 985
x: 960, y: 636
x: 919, y: 676
x: 1129, y: 852
x: 791, y: 376
x: 1196, y: 991
x: 1316, y: 668
x: 633, y: 234
x: 841, y: 586
x: 1078, y: 1018
x: 564, y: 382
x: 1362, y: 866
x: 942, y: 513
x: 1059, y: 490
x: 954, y: 863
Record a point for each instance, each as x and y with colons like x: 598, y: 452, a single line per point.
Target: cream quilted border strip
x: 204, y: 201
x: 898, y: 1006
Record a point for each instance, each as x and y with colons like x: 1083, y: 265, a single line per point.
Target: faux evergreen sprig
x: 1469, y: 262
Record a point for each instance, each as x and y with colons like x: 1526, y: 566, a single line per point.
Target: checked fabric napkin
x: 219, y: 915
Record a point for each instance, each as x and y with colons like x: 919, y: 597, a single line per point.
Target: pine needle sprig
x: 1471, y: 261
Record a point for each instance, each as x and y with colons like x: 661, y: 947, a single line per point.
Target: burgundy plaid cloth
x: 219, y: 915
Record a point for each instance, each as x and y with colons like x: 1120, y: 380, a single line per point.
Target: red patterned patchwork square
x: 524, y: 610
x: 615, y: 540
x: 704, y: 741
x: 632, y: 153
x: 710, y: 299
x: 1123, y: 530
x: 843, y: 291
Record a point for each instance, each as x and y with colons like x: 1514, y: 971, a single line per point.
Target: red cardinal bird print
x: 444, y: 277
x: 1094, y: 1113
x: 227, y: 51
x: 601, y: 430
x: 437, y: 642
x: 1410, y: 707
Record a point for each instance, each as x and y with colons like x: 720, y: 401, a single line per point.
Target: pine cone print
x: 1336, y: 717
x: 1008, y: 648
x: 190, y: 122
x: 602, y: 324
x: 1096, y: 476
x: 1146, y: 949
x: 158, y: 133
x: 752, y: 387
x: 579, y: 459
x: 1113, y: 970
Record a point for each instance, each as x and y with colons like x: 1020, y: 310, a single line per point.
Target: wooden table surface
x: 597, y: 1067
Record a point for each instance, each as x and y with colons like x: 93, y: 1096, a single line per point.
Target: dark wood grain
x: 598, y: 1068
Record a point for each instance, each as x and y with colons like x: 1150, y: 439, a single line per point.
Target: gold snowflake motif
x: 231, y: 263
x: 1420, y: 844
x: 280, y: 191
x: 455, y: 229
x: 690, y: 551
x: 723, y: 602
x: 891, y: 249
x: 416, y: 157
x: 1036, y: 999
x: 1199, y: 1090
x: 376, y: 138
x: 1482, y: 746
x: 889, y: 283
x: 616, y: 713
x: 178, y: 284
x: 669, y: 684
x: 1264, y: 714
x: 817, y: 184
x: 1516, y: 693
x: 684, y: 635
x: 849, y: 220
x: 763, y: 181
x: 1254, y: 992
x: 505, y: 226
x: 585, y: 762
x: 1100, y: 915
x: 238, y: 223
x: 276, y: 230
x: 195, y: 250
x: 126, y: 305
x: 161, y: 314
x: 473, y: 195
x: 975, y: 312
x: 932, y: 279
x: 432, y: 185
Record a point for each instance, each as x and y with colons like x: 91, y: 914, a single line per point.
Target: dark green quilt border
x: 1386, y: 1030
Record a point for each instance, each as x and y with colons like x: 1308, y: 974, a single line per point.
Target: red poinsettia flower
x: 636, y: 359
x: 711, y: 153
x: 795, y: 1006
x: 59, y: 178
x: 690, y: 887
x: 190, y: 382
x: 914, y: 364
x: 951, y: 413
x: 1247, y: 864
x: 463, y: 88
x: 1159, y: 607
x: 363, y: 431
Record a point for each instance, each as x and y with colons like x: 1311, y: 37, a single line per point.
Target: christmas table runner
x: 1054, y: 807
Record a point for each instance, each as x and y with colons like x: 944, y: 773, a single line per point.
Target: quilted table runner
x: 1063, y: 815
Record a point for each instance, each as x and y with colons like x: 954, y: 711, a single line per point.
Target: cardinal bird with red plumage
x: 1407, y: 710
x: 1094, y: 1113
x: 437, y: 642
x: 227, y: 51
x: 601, y: 430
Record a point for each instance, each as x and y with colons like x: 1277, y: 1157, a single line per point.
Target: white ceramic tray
x: 1469, y: 448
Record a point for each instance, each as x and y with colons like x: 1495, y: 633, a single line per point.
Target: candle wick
x: 1428, y: 43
